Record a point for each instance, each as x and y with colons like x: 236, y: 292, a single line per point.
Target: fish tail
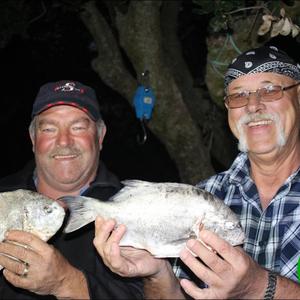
x: 82, y: 212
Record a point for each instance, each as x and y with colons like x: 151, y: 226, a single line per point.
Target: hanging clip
x: 142, y: 139
x: 143, y: 102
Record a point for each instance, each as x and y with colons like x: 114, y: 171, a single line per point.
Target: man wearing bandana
x: 262, y: 187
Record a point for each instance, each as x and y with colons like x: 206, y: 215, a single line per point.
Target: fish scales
x: 160, y: 217
x: 29, y: 211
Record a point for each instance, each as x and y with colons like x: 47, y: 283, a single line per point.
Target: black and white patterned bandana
x: 263, y: 59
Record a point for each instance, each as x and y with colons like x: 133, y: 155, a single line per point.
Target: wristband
x: 272, y: 281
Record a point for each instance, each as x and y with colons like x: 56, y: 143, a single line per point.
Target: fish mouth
x: 239, y: 240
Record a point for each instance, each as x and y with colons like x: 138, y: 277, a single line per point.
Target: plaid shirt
x: 272, y: 235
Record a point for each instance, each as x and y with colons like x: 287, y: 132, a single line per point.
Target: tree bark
x: 211, y: 119
x: 139, y: 33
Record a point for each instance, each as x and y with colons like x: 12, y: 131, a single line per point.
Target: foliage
x: 225, y: 13
x: 278, y: 25
x: 238, y: 25
x: 218, y: 10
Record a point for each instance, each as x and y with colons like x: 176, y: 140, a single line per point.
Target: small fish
x: 30, y: 211
x: 160, y: 217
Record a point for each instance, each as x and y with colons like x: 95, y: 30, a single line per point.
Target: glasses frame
x: 227, y: 102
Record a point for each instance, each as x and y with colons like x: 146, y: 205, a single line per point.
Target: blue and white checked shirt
x: 272, y: 235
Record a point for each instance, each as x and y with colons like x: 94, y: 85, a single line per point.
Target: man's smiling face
x: 263, y: 127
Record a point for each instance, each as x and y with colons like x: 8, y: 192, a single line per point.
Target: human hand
x: 125, y: 261
x: 37, y: 267
x: 231, y: 274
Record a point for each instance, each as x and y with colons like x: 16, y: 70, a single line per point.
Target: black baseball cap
x: 67, y: 92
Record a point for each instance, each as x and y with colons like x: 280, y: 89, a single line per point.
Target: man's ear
x: 298, y: 94
x: 32, y: 140
x: 101, y: 136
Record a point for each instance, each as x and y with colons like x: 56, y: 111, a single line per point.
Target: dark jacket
x: 78, y: 247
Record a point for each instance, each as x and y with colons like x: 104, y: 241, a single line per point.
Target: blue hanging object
x: 143, y: 102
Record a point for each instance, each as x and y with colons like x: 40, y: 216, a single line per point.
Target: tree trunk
x: 139, y: 33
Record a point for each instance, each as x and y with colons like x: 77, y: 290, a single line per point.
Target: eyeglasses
x: 265, y: 94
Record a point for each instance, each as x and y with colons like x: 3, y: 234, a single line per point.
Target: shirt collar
x: 239, y: 171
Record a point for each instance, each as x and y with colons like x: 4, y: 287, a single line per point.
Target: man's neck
x: 270, y: 172
x: 57, y: 192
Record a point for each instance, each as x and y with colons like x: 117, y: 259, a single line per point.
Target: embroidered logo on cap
x: 68, y: 87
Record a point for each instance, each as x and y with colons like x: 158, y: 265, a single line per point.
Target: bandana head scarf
x: 262, y: 59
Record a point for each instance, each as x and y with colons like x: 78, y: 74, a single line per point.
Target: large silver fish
x: 160, y: 217
x: 30, y: 211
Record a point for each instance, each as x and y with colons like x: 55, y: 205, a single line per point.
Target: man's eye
x: 78, y: 128
x: 48, y: 129
x: 239, y: 95
x: 242, y: 95
x: 272, y: 88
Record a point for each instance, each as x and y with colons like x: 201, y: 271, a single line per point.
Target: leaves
x: 278, y: 25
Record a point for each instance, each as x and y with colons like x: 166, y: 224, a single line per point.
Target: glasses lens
x: 237, y: 100
x: 270, y: 93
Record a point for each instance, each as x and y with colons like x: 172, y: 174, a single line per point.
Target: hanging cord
x: 215, y: 64
x: 235, y: 47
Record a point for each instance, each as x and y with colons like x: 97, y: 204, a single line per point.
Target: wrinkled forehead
x: 266, y: 59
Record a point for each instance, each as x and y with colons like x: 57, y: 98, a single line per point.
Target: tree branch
x: 109, y: 63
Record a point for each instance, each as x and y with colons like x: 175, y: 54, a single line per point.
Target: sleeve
x: 107, y: 285
x: 102, y: 283
x: 181, y: 271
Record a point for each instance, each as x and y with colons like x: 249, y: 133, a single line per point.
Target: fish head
x: 226, y: 225
x: 42, y: 216
x: 232, y: 233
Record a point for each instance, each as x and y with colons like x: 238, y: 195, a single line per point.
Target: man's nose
x: 254, y: 102
x: 64, y: 138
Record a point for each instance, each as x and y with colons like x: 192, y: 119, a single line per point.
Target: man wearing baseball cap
x: 262, y: 186
x: 67, y: 133
x: 66, y: 92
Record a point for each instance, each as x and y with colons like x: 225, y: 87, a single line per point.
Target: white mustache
x: 255, y: 117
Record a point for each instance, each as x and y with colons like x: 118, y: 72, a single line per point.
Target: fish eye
x: 47, y: 209
x: 229, y: 225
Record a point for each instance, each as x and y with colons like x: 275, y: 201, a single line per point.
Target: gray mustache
x: 256, y: 117
x: 65, y: 151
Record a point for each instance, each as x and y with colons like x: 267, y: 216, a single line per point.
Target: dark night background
x: 59, y: 47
